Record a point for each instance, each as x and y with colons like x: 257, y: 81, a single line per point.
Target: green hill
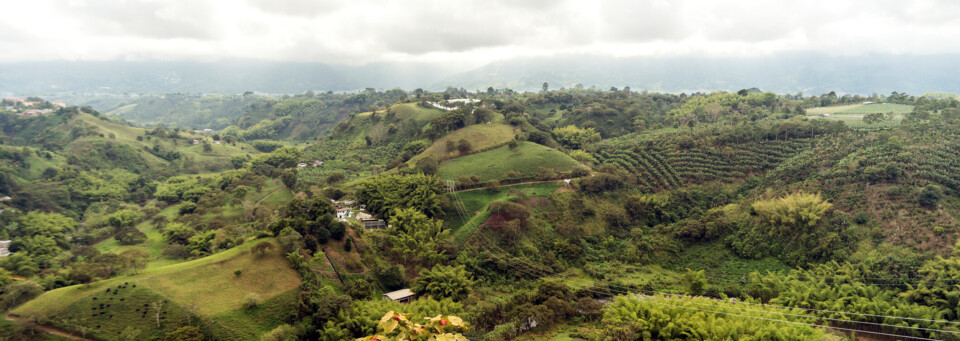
x: 480, y: 136
x: 205, y: 288
x: 526, y: 161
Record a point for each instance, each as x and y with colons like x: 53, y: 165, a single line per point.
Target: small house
x: 301, y: 165
x: 317, y: 163
x: 343, y: 214
x: 402, y: 295
x: 216, y: 142
x: 824, y: 115
x: 866, y: 103
x: 196, y: 141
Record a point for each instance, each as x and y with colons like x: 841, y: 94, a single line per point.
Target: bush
x: 251, y: 300
x: 861, y: 218
x: 187, y: 207
x: 176, y: 251
x: 130, y: 235
x: 281, y: 333
x: 337, y: 230
x: 238, y: 272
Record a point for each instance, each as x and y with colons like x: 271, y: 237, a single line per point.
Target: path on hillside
x: 267, y: 196
x: 47, y: 329
x: 517, y: 184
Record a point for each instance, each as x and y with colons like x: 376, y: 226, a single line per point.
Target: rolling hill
x: 206, y: 288
x: 525, y: 162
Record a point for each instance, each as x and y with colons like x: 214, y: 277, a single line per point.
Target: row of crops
x: 663, y: 170
x: 649, y: 165
x: 919, y: 164
x: 732, y: 163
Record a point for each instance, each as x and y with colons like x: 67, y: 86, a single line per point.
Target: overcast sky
x: 469, y: 32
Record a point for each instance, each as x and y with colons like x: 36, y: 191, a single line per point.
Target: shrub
x: 262, y: 248
x: 251, y: 300
x: 860, y: 218
x: 237, y: 272
x: 176, y: 251
x: 187, y: 207
x: 281, y: 333
x: 130, y: 235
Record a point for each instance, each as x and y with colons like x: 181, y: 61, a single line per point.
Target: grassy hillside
x: 852, y: 115
x: 481, y: 136
x: 476, y: 202
x: 495, y: 164
x: 410, y: 111
x: 206, y: 287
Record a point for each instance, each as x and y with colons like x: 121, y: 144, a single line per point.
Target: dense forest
x: 570, y: 214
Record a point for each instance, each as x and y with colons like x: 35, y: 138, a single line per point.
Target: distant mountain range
x: 781, y: 73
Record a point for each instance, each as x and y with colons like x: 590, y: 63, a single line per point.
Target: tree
x: 929, y: 196
x: 130, y: 235
x: 238, y: 160
x: 289, y: 179
x: 793, y: 213
x: 384, y: 194
x: 18, y: 292
x: 873, y: 118
x: 574, y: 138
x: 444, y: 282
x: 20, y: 264
x: 134, y: 259
x: 545, y: 87
x: 428, y: 165
x: 464, y: 146
x: 290, y: 240
x: 262, y: 248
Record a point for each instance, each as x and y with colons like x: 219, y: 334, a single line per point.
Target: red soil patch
x: 496, y: 220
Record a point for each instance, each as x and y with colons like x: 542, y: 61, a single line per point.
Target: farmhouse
x: 196, y: 141
x: 317, y: 163
x: 402, y: 295
x: 301, y: 165
x: 343, y: 214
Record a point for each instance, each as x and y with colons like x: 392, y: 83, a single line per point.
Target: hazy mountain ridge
x: 781, y: 73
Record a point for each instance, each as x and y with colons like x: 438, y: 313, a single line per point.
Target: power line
x: 784, y: 321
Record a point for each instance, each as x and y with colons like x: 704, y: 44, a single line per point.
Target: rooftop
x: 399, y: 294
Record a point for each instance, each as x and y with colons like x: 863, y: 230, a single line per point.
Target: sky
x: 465, y: 32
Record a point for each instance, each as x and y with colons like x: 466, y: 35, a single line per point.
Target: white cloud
x: 470, y: 32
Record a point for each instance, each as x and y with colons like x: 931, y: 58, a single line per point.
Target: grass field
x: 478, y: 200
x: 852, y: 115
x: 411, y: 111
x: 152, y: 246
x: 216, y: 159
x: 481, y: 136
x: 206, y: 287
x: 494, y: 164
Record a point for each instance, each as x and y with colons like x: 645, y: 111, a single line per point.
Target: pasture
x: 481, y: 136
x: 496, y: 164
x: 852, y: 115
x: 205, y: 287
